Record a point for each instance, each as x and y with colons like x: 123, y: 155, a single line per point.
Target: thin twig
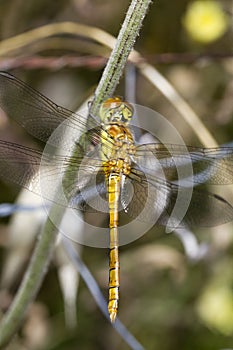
x: 97, y: 62
x: 52, y: 62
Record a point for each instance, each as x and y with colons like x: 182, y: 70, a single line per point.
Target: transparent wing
x: 142, y: 199
x: 19, y: 164
x: 35, y: 112
x: 205, y: 210
x: 56, y: 178
x: 150, y: 199
x: 89, y: 193
x: 212, y: 165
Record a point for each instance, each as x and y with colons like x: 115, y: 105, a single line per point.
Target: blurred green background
x: 170, y: 299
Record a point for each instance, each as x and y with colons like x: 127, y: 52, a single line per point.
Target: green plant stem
x: 32, y: 278
x: 44, y: 247
x: 118, y: 58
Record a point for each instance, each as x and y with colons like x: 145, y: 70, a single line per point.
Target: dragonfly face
x: 139, y: 179
x: 115, y: 110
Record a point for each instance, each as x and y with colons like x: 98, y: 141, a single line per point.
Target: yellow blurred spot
x: 205, y: 21
x: 215, y: 308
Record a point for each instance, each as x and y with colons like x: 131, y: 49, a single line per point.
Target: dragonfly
x: 108, y: 157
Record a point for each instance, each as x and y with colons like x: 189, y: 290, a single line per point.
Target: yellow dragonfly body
x: 108, y: 159
x: 117, y: 149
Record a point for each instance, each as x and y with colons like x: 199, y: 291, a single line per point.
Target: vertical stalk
x: 118, y: 58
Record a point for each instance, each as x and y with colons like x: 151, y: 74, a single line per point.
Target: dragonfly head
x: 115, y: 110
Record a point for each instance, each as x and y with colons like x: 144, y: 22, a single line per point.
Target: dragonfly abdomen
x: 113, y: 182
x: 114, y: 279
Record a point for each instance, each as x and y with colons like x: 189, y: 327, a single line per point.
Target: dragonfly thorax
x: 117, y: 148
x: 119, y: 166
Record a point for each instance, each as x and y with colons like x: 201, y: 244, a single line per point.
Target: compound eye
x: 110, y: 115
x: 127, y: 112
